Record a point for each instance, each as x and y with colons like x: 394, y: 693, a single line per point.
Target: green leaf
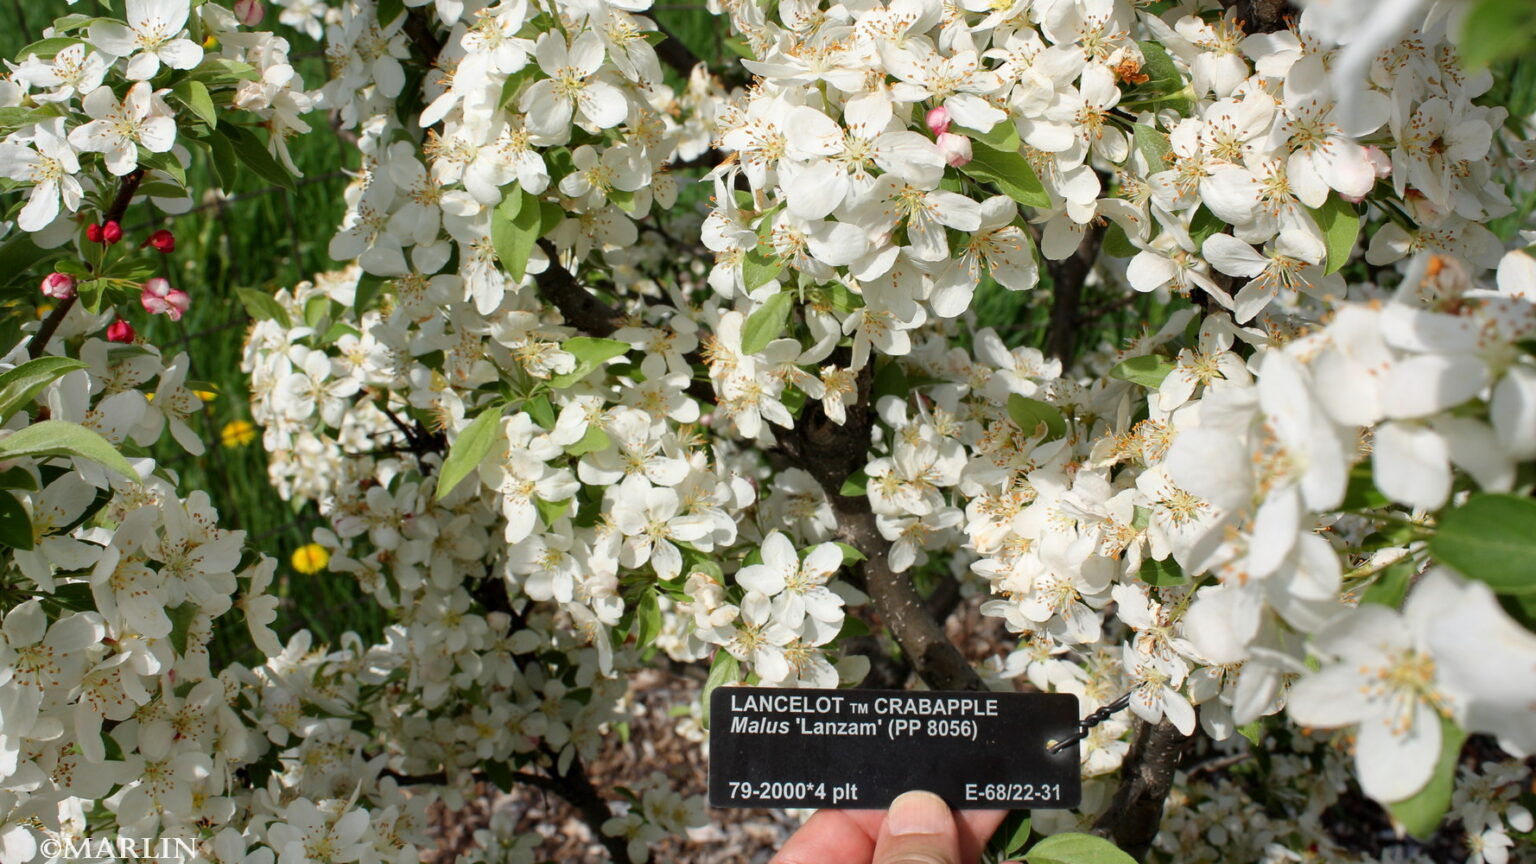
x: 594, y: 440
x: 47, y: 49
x: 15, y: 525
x: 551, y: 215
x: 252, y: 151
x: 1340, y: 224
x: 590, y: 353
x: 1076, y: 849
x: 1391, y: 585
x: 58, y: 438
x: 91, y: 293
x: 1361, y: 493
x: 549, y: 511
x: 499, y: 773
x: 515, y: 225
x: 1117, y: 244
x: 1162, y: 74
x: 222, y: 154
x: 1422, y: 814
x: 853, y: 627
x: 20, y: 385
x: 542, y: 412
x: 1161, y: 573
x: 758, y: 269
x: 263, y: 306
x: 223, y: 72
x: 851, y: 554
x: 767, y: 323
x: 1491, y: 538
x: 1153, y: 145
x: 1011, y: 836
x: 856, y: 486
x: 369, y: 287
x: 16, y: 118
x: 1030, y: 414
x: 1003, y: 136
x: 1148, y: 370
x: 647, y: 619
x: 1010, y: 172
x: 467, y: 450
x: 1204, y: 225
x: 389, y: 10
x: 1496, y: 29
x: 181, y: 617
x: 316, y: 311
x: 724, y: 669
x: 194, y: 94
x: 17, y: 477
x: 337, y: 330
x: 622, y: 199
x: 890, y: 380
x: 18, y: 254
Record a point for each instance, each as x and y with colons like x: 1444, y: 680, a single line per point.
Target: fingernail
x: 918, y: 813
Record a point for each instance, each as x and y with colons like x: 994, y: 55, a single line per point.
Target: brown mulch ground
x: 746, y: 836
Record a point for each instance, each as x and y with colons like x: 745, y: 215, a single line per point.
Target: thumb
x: 918, y: 829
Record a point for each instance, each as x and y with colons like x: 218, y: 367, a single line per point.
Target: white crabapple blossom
x: 152, y: 35
x: 635, y: 363
x: 118, y: 128
x: 47, y: 160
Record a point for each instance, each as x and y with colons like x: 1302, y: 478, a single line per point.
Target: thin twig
x: 125, y: 192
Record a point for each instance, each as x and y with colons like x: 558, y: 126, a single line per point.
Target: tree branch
x: 583, y: 310
x: 831, y: 452
x: 418, y: 28
x: 1262, y: 16
x: 1067, y: 278
x: 1146, y: 775
x: 576, y: 788
x: 675, y: 54
x: 119, y: 206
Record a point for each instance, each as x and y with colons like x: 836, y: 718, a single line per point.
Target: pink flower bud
x: 1381, y: 163
x: 956, y: 148
x: 162, y: 241
x: 111, y: 233
x: 59, y: 286
x: 159, y: 298
x: 120, y: 331
x: 250, y: 12
x: 938, y: 120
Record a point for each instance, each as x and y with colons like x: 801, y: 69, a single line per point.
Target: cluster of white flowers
x: 562, y: 412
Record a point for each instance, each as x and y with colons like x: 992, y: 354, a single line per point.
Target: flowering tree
x: 636, y: 358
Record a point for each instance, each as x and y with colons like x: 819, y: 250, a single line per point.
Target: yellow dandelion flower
x: 205, y: 395
x: 310, y: 559
x: 237, y: 433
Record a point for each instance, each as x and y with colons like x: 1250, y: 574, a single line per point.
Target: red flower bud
x: 59, y: 286
x: 163, y: 241
x: 111, y: 232
x: 120, y: 331
x: 93, y: 232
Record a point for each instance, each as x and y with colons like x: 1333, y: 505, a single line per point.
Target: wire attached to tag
x: 1091, y: 721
